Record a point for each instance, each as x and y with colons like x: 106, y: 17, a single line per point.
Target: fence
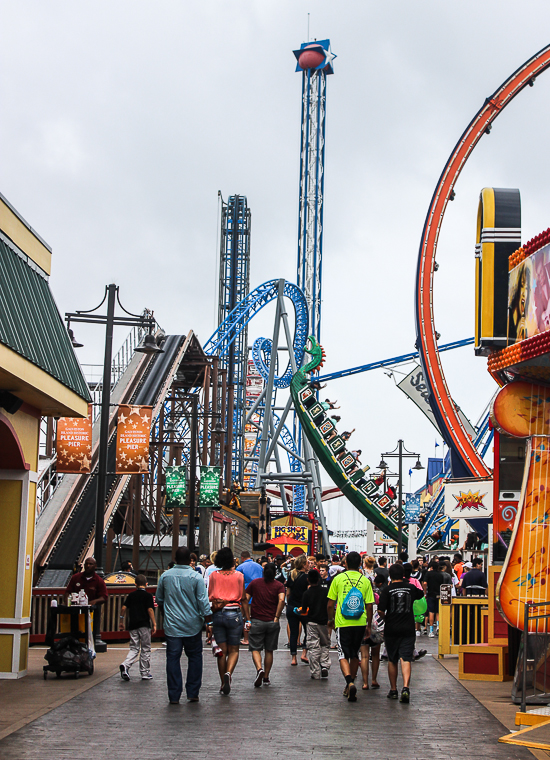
x: 42, y: 600
x: 461, y: 622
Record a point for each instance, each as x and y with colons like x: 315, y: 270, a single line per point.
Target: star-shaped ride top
x: 317, y: 56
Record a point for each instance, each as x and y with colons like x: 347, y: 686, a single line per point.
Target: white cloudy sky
x: 120, y: 121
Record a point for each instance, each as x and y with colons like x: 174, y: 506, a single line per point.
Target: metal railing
x: 461, y: 622
x: 534, y: 654
x: 47, y: 482
x: 42, y: 601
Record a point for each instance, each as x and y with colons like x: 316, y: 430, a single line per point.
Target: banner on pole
x: 132, y: 439
x: 412, y: 509
x: 176, y: 485
x: 209, y: 495
x: 74, y: 444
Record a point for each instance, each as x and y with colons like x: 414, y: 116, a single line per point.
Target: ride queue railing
x: 461, y: 622
x: 110, y: 617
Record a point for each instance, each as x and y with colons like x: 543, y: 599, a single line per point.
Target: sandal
x: 375, y: 686
x: 305, y: 661
x: 366, y: 688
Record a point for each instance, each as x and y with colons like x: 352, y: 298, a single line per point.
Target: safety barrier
x: 461, y: 622
x: 42, y: 601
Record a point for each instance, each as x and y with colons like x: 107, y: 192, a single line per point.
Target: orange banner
x: 74, y: 444
x: 132, y: 439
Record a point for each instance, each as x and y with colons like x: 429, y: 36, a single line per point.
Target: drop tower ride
x: 314, y: 60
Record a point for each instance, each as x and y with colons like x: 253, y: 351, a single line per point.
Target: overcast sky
x: 120, y: 121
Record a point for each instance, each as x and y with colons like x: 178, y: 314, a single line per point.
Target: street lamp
x: 109, y: 320
x: 400, y: 452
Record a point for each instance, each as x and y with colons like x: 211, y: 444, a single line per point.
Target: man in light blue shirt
x: 182, y: 595
x: 250, y: 569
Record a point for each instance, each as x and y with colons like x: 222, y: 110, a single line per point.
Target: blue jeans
x: 227, y: 626
x: 193, y: 651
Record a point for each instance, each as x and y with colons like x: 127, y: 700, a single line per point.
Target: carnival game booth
x: 520, y: 414
x: 292, y: 535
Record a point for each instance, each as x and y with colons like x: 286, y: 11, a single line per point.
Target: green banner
x: 209, y: 495
x: 176, y: 482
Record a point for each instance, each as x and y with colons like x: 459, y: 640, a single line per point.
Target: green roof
x: 30, y: 322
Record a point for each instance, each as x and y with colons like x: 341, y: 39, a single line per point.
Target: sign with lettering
x: 412, y: 509
x: 209, y: 495
x: 132, y: 439
x: 445, y: 593
x: 465, y: 499
x: 176, y: 487
x: 298, y: 532
x: 74, y: 444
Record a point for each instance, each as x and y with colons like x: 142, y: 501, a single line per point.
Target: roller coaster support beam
x: 310, y: 457
x: 391, y: 362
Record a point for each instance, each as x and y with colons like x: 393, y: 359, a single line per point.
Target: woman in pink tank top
x: 228, y: 600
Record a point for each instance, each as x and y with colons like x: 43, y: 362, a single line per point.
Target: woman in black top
x: 295, y: 587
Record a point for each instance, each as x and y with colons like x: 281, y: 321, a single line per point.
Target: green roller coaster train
x: 330, y: 447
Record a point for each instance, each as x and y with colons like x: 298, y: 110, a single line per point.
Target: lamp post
x: 400, y: 452
x: 149, y: 347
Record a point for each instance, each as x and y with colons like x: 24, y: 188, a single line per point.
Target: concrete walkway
x: 294, y: 718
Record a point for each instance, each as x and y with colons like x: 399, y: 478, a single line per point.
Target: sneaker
x: 124, y: 674
x: 431, y: 634
x: 226, y: 688
x: 146, y: 677
x: 418, y: 633
x: 352, y: 693
x: 267, y: 682
x: 346, y: 691
x: 324, y: 672
x: 424, y: 632
x: 421, y: 653
x: 393, y: 694
x: 259, y: 678
x: 405, y: 695
x: 192, y: 699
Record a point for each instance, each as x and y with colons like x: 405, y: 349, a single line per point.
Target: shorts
x: 348, y: 640
x: 433, y: 604
x: 227, y: 625
x: 400, y: 648
x: 368, y: 642
x: 263, y: 634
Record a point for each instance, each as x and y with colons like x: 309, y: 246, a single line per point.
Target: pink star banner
x: 74, y: 444
x: 132, y: 439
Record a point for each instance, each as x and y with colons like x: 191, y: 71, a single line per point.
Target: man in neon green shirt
x: 350, y: 631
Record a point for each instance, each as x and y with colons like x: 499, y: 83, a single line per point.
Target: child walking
x: 141, y: 626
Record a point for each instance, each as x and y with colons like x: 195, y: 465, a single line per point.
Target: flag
x: 410, y: 472
x: 436, y: 444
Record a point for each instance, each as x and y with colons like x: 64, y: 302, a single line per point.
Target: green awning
x: 30, y: 322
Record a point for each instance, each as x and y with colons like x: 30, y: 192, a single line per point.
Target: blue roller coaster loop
x: 221, y: 340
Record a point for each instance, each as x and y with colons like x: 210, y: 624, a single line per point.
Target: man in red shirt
x: 268, y: 599
x: 95, y: 589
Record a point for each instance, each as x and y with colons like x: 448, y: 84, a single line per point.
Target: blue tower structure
x: 314, y: 60
x: 233, y: 289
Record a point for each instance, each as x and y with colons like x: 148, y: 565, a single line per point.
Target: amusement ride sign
x: 74, y: 444
x: 210, y: 487
x: 132, y: 439
x: 469, y: 499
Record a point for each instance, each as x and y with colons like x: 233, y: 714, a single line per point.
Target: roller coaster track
x: 466, y: 459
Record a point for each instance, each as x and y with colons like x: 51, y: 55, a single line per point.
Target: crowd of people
x: 375, y: 613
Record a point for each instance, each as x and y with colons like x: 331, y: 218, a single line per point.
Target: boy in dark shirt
x: 141, y: 626
x: 314, y: 609
x: 395, y: 606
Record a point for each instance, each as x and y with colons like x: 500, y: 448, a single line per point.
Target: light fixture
x: 74, y: 342
x: 149, y: 346
x: 219, y: 428
x: 382, y: 465
x: 418, y: 466
x: 170, y: 428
